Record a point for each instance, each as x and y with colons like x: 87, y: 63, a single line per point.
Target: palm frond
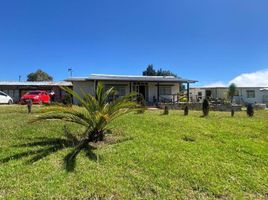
x: 96, y: 111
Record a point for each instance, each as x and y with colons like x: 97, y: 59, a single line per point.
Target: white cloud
x: 255, y: 79
x: 215, y: 84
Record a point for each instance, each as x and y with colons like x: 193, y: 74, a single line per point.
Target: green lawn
x: 157, y: 157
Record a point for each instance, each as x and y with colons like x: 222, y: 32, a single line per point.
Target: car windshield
x: 2, y: 93
x: 33, y: 93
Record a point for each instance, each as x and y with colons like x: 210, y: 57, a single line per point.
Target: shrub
x: 250, y: 110
x: 166, y: 110
x: 186, y: 111
x: 142, y: 103
x: 205, y: 107
x: 183, y: 99
x: 67, y: 99
x: 188, y: 138
x: 232, y: 112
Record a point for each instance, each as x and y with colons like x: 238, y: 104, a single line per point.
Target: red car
x: 37, y: 97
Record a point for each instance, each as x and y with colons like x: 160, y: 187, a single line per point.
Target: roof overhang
x: 122, y: 78
x: 33, y: 83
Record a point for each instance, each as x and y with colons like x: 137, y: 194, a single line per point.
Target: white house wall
x: 152, y: 91
x: 83, y: 87
x: 222, y: 93
x: 259, y: 95
x: 88, y: 87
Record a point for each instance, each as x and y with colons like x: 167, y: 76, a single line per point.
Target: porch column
x: 130, y: 88
x: 188, y: 92
x: 95, y: 87
x: 158, y: 92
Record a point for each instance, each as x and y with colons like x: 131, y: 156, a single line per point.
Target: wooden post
x: 95, y: 87
x: 130, y: 88
x: 158, y: 92
x: 188, y: 92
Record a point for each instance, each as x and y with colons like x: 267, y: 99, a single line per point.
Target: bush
x: 232, y: 112
x: 250, y: 110
x: 142, y: 103
x: 183, y: 99
x: 205, y: 107
x: 166, y: 110
x: 186, y: 111
x: 68, y: 99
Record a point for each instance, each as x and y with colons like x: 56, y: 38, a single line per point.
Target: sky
x: 214, y: 42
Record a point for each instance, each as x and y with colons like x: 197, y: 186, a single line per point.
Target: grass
x: 157, y: 157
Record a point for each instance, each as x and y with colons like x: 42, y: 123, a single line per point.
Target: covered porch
x: 154, y: 89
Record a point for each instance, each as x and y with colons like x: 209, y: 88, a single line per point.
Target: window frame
x: 120, y: 89
x: 165, y: 90
x: 251, y: 94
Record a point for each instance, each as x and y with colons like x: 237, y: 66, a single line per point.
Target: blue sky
x: 206, y: 40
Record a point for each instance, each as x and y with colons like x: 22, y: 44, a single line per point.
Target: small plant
x: 67, y: 99
x: 142, y: 104
x: 188, y: 138
x: 250, y: 110
x: 232, y: 112
x: 29, y: 105
x: 183, y: 99
x: 205, y: 107
x: 186, y: 111
x: 166, y: 110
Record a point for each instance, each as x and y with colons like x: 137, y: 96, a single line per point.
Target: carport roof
x: 105, y: 77
x: 33, y: 83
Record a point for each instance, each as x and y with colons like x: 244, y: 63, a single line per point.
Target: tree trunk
x: 96, y: 136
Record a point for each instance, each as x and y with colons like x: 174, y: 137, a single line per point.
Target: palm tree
x: 95, y: 113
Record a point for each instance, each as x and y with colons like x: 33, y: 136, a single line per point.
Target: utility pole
x: 19, y: 78
x: 70, y: 70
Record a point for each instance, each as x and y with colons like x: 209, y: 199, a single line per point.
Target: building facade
x: 152, y: 88
x: 243, y: 95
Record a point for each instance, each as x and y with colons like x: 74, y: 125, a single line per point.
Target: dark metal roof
x: 104, y: 77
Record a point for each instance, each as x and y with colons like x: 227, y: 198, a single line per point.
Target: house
x: 17, y: 89
x: 243, y: 95
x: 152, y: 88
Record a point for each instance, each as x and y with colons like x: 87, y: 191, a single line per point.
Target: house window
x: 208, y: 93
x: 120, y: 90
x: 250, y: 93
x: 236, y: 93
x: 165, y: 90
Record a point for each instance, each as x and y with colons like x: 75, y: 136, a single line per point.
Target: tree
x: 39, y: 75
x: 95, y: 114
x: 232, y: 91
x: 149, y: 71
x: 161, y: 72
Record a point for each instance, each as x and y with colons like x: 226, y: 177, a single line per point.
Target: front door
x: 141, y: 89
